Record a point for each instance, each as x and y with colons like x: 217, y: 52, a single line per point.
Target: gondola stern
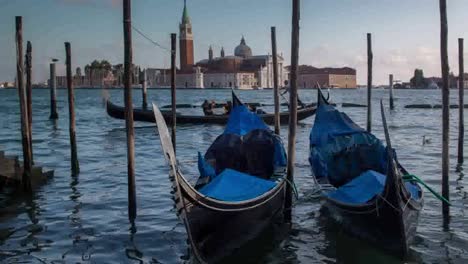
x: 392, y: 195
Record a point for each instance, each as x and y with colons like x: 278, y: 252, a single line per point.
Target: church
x: 242, y: 70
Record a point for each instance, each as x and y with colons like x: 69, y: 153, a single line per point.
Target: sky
x: 405, y: 34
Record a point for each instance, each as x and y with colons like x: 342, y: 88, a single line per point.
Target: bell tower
x: 186, y: 41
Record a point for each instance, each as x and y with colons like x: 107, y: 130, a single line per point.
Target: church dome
x: 243, y: 50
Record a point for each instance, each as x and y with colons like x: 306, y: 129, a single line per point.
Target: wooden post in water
x: 127, y: 28
x: 461, y: 87
x: 445, y: 108
x: 390, y: 77
x: 29, y: 93
x: 275, y: 80
x: 173, y: 87
x: 53, y: 91
x: 144, y: 89
x: 26, y: 178
x: 369, y: 82
x: 75, y: 167
x: 292, y: 109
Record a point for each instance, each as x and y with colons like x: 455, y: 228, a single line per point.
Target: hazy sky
x: 333, y: 32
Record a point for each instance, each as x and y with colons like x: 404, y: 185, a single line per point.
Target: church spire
x: 243, y: 40
x: 185, y: 16
x: 210, y: 53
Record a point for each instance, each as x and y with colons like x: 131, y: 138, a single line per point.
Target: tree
x: 105, y: 65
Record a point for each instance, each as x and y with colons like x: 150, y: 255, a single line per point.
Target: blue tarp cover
x: 352, y: 159
x: 234, y: 186
x: 205, y: 169
x: 242, y: 121
x: 330, y: 123
x: 413, y: 189
x: 366, y: 186
x: 361, y: 189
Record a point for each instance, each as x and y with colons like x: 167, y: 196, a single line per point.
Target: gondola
x: 139, y: 114
x: 362, y: 181
x: 240, y: 190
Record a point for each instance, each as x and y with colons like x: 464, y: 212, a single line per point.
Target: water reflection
x: 84, y: 219
x: 131, y: 250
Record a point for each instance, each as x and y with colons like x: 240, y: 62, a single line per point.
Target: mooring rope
x: 293, y: 186
x: 412, y: 177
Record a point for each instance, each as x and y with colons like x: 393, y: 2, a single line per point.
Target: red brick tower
x: 186, y: 41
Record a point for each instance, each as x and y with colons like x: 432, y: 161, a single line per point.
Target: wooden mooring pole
x: 173, y: 87
x: 127, y: 28
x: 75, y: 167
x: 53, y: 92
x: 292, y: 109
x: 29, y: 93
x: 390, y: 77
x: 26, y: 177
x: 369, y: 82
x: 445, y: 108
x: 461, y: 87
x: 144, y: 89
x: 275, y: 80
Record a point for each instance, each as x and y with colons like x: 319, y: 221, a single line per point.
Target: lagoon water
x: 83, y: 219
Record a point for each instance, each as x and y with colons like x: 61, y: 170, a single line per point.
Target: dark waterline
x: 84, y: 218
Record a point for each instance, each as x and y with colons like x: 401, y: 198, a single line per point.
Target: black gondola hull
x: 217, y: 229
x: 217, y: 235
x: 118, y: 112
x: 380, y: 223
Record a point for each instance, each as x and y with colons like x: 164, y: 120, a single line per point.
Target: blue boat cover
x: 242, y: 159
x: 205, y: 169
x: 330, y: 123
x: 365, y: 187
x: 341, y: 150
x: 353, y: 160
x: 234, y: 186
x: 361, y: 189
x: 242, y: 121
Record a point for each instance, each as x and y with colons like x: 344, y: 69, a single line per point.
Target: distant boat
x: 147, y: 115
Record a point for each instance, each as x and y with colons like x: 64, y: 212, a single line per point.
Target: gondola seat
x: 353, y: 192
x: 226, y: 152
x: 258, y: 148
x: 365, y: 187
x: 233, y: 186
x: 256, y: 153
x: 354, y: 160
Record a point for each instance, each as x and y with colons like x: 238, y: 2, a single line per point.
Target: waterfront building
x: 310, y: 76
x: 99, y: 74
x: 242, y: 70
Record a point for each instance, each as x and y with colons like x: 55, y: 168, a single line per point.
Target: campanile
x: 186, y: 41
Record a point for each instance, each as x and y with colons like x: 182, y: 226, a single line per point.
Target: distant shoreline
x: 216, y: 88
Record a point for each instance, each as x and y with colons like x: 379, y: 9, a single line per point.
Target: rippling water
x: 84, y: 218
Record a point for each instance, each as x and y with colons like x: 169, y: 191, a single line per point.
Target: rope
x: 149, y: 39
x: 411, y: 177
x: 293, y: 185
